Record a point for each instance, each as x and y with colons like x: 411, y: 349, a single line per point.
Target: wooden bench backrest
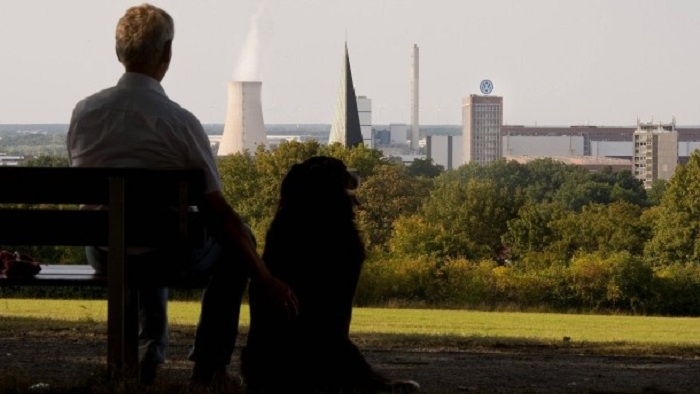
x: 30, y: 213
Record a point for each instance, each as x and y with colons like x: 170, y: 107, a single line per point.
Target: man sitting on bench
x: 134, y: 124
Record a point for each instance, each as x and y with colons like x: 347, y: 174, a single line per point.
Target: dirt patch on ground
x: 60, y: 356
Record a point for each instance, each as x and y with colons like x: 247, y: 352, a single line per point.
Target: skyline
x: 594, y: 62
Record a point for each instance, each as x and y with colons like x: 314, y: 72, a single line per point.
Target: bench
x: 40, y: 206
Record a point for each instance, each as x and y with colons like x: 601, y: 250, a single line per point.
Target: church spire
x: 346, y: 121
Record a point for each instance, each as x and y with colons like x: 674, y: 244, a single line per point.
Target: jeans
x: 217, y: 329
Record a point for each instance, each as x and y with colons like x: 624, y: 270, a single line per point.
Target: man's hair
x: 142, y: 35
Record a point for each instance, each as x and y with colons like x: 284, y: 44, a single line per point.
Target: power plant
x: 244, y: 128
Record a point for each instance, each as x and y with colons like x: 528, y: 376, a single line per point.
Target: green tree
x: 425, y: 168
x: 625, y: 187
x: 656, y: 192
x: 578, y: 192
x: 387, y: 194
x: 508, y: 175
x: 602, y: 229
x: 676, y: 234
x: 241, y: 186
x: 546, y: 176
x: 47, y: 161
x: 531, y: 230
x: 470, y: 217
x: 574, y: 186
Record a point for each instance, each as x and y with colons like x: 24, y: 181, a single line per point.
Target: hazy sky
x: 555, y: 62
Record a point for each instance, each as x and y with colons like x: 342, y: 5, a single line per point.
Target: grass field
x: 429, y: 327
x: 436, y: 347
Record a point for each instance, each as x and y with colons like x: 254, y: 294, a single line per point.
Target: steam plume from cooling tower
x: 244, y: 129
x: 247, y: 68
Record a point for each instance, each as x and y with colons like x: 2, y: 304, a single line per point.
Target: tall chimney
x: 414, y: 99
x: 244, y: 128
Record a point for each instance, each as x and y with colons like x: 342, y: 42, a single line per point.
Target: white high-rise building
x: 364, y: 111
x: 655, y: 151
x: 244, y: 128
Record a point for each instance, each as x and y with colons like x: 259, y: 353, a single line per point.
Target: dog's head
x: 319, y: 180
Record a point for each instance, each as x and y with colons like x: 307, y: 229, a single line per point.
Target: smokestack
x: 414, y: 98
x: 244, y: 128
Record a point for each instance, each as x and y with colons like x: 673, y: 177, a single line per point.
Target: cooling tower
x: 244, y: 128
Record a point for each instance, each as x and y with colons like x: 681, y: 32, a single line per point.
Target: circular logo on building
x: 486, y: 86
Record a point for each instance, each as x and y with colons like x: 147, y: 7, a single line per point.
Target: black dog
x: 314, y: 246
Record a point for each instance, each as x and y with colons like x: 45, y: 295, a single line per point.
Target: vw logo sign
x: 486, y: 86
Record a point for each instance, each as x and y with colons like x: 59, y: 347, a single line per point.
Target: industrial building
x: 589, y: 146
x: 567, y: 141
x: 482, y: 119
x: 445, y: 150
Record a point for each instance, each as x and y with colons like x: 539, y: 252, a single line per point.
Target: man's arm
x: 228, y: 229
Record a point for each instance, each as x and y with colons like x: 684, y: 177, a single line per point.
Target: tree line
x: 537, y: 236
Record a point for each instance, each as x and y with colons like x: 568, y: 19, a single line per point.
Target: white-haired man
x: 134, y: 124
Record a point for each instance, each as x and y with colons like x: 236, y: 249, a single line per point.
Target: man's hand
x: 281, y: 296
x: 228, y: 228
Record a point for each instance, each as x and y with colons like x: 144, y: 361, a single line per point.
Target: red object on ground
x: 18, y: 265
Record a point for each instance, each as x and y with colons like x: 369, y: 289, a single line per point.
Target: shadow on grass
x: 97, y: 382
x: 56, y: 356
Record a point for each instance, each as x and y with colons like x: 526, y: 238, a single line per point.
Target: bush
x: 529, y: 288
x: 677, y: 289
x: 385, y: 279
x: 422, y: 280
x: 617, y: 282
x: 460, y: 282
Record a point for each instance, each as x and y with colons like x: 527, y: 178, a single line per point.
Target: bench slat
x: 75, y: 227
x: 85, y: 275
x: 59, y: 275
x: 69, y: 185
